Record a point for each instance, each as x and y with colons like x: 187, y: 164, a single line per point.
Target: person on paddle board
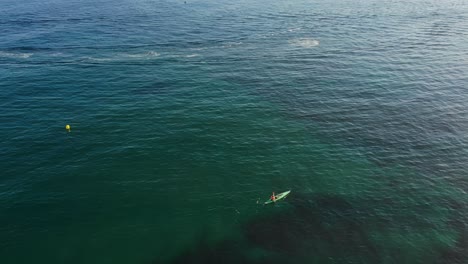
x: 273, y: 197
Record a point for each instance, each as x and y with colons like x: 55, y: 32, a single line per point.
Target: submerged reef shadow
x: 316, y: 223
x: 321, y: 228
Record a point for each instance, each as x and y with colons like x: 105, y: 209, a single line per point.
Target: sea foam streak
x: 124, y: 56
x: 15, y: 55
x: 149, y: 54
x: 305, y: 42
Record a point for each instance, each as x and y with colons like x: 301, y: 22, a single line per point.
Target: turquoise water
x: 186, y: 116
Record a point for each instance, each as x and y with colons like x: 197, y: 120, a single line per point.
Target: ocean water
x: 186, y: 115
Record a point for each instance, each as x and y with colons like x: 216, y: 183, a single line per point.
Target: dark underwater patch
x: 222, y: 252
x: 330, y: 229
x: 459, y: 222
x: 315, y: 224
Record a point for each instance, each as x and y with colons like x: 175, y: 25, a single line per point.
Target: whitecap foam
x: 57, y: 54
x: 124, y: 56
x: 231, y: 44
x: 305, y: 42
x: 183, y: 55
x: 294, y: 29
x: 99, y: 59
x: 149, y: 54
x: 203, y: 48
x: 15, y: 55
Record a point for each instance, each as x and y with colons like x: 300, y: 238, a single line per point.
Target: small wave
x: 232, y: 44
x: 184, y: 55
x: 305, y: 42
x: 99, y: 59
x: 149, y: 54
x: 124, y: 56
x: 204, y: 48
x: 15, y: 55
x: 294, y: 29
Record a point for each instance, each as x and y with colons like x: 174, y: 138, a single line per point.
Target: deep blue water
x: 185, y: 116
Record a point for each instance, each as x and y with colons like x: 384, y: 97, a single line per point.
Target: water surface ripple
x: 186, y: 115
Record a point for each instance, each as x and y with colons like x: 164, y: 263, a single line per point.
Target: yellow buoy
x: 68, y: 128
